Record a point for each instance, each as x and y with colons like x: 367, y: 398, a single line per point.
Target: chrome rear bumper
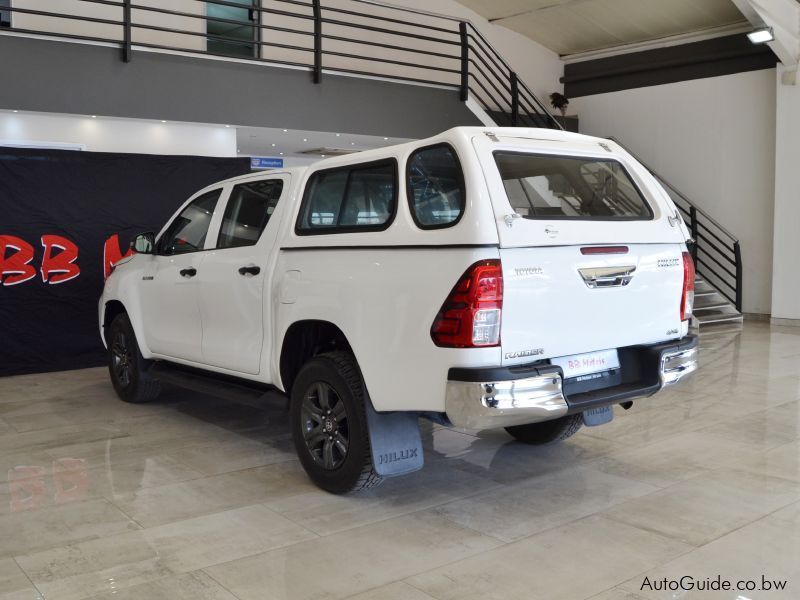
x: 486, y: 405
x: 502, y: 397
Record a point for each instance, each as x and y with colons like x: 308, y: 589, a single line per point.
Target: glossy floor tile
x: 194, y: 497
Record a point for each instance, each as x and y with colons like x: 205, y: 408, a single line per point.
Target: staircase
x: 717, y: 258
x: 711, y: 307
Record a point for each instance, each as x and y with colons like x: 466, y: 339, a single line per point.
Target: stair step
x: 718, y: 317
x: 712, y: 306
x: 704, y: 294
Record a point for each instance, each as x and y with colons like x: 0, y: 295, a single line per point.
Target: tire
x: 329, y: 424
x: 127, y: 368
x: 547, y: 432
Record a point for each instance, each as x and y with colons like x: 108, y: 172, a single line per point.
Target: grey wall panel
x: 63, y: 77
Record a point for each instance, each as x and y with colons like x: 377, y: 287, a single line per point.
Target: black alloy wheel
x: 325, y: 427
x: 122, y: 359
x: 126, y: 365
x: 329, y: 423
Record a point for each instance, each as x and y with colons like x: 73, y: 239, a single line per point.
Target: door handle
x: 250, y: 270
x: 190, y: 272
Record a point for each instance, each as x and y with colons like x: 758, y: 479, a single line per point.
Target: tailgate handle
x: 603, y: 277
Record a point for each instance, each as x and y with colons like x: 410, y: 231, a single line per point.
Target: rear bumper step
x: 501, y: 397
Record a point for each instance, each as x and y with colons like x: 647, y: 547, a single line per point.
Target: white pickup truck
x: 484, y: 278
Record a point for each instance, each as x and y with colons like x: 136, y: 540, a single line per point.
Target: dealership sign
x: 258, y: 163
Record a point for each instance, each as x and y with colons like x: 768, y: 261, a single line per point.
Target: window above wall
x: 5, y: 15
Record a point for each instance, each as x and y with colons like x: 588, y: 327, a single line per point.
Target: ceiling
x: 575, y: 26
x: 268, y: 141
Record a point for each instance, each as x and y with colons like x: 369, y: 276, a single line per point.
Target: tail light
x: 687, y: 297
x: 470, y: 316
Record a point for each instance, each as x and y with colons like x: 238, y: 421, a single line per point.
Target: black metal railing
x: 322, y: 36
x: 716, y: 251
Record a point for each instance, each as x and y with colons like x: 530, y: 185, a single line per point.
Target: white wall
x: 786, y: 263
x: 537, y: 66
x: 117, y: 135
x: 714, y: 139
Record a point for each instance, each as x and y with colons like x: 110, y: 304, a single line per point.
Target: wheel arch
x: 302, y: 341
x: 113, y: 308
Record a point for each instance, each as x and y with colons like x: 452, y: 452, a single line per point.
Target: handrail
x: 331, y: 28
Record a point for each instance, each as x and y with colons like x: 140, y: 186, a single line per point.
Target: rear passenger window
x: 249, y: 209
x: 435, y: 187
x: 357, y: 198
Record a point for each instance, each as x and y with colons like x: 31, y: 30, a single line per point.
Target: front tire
x: 547, y: 432
x: 126, y: 366
x: 329, y: 424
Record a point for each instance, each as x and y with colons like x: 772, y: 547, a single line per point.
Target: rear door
x: 590, y: 259
x: 234, y: 273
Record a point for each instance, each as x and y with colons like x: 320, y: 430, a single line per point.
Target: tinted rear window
x: 435, y: 187
x: 561, y: 187
x: 357, y: 198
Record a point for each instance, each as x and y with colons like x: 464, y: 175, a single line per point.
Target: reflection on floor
x: 198, y: 498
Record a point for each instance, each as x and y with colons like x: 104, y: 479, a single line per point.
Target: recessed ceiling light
x: 761, y: 35
x: 338, y: 134
x: 94, y: 116
x: 352, y: 143
x: 305, y: 139
x: 227, y: 125
x: 163, y: 121
x: 322, y: 155
x: 16, y: 111
x: 273, y: 145
x: 281, y: 153
x: 385, y: 138
x: 285, y: 130
x: 238, y: 150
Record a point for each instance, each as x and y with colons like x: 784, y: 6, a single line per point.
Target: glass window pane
x: 235, y: 32
x: 561, y: 187
x: 370, y: 197
x: 249, y: 209
x: 324, y: 195
x: 187, y: 233
x: 5, y: 15
x: 361, y: 197
x: 435, y: 187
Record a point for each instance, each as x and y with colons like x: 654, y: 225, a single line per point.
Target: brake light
x: 589, y: 250
x: 470, y: 316
x: 687, y: 297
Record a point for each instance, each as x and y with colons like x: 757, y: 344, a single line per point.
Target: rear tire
x: 547, y: 432
x: 126, y: 366
x: 329, y: 424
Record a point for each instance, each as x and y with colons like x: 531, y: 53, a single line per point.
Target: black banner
x: 65, y: 216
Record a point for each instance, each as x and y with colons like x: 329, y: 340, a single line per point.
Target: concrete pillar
x: 786, y: 256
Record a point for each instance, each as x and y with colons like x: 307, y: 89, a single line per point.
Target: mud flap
x: 598, y: 416
x: 395, y: 442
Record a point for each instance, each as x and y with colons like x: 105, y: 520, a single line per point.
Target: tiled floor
x: 197, y: 498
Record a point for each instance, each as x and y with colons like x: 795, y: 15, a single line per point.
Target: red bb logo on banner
x: 58, y: 260
x: 15, y: 266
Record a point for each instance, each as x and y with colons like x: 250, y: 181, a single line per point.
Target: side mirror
x: 144, y: 243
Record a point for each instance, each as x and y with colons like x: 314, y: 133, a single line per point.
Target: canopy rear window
x: 566, y: 187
